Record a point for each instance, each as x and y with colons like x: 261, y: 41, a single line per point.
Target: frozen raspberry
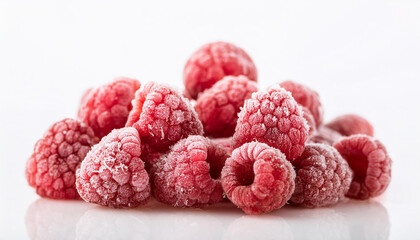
x: 370, y: 163
x: 257, y: 178
x: 189, y: 175
x: 325, y: 135
x: 218, y: 106
x: 307, y: 98
x: 226, y: 143
x: 113, y: 174
x: 351, y: 124
x: 162, y: 117
x: 212, y: 62
x: 322, y: 176
x: 273, y: 117
x: 307, y: 115
x: 107, y: 107
x: 52, y: 166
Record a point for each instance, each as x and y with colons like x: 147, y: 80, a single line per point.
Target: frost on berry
x: 306, y: 97
x: 351, y: 124
x: 257, y: 178
x: 307, y: 115
x: 107, y: 107
x: 322, y: 176
x: 113, y: 174
x: 325, y: 135
x: 162, y: 117
x: 218, y: 106
x: 189, y: 175
x: 371, y: 165
x: 51, y: 168
x: 212, y: 62
x: 273, y: 117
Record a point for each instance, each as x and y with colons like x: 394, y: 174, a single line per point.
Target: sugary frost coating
x: 273, y: 117
x: 212, y: 62
x: 371, y: 165
x: 310, y: 121
x: 322, y: 176
x: 189, y: 175
x: 218, y: 106
x: 306, y: 97
x: 162, y: 117
x: 52, y: 167
x: 113, y: 174
x: 351, y: 124
x: 257, y: 178
x: 107, y: 107
x: 325, y: 135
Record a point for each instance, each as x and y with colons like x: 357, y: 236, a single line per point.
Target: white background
x: 361, y: 56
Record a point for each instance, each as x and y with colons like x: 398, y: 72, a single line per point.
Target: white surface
x: 362, y: 57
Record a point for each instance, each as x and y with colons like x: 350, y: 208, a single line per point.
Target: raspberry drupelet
x: 273, y: 117
x: 351, y: 124
x: 107, y: 107
x: 189, y: 175
x: 258, y: 178
x: 162, y: 117
x: 212, y: 62
x: 51, y: 169
x: 306, y: 97
x: 371, y: 165
x: 113, y: 174
x: 218, y: 106
x: 322, y: 176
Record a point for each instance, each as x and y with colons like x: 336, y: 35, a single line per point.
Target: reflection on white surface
x: 318, y: 223
x: 100, y: 223
x: 53, y: 219
x: 49, y: 219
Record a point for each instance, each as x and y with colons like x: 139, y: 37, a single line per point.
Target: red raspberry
x: 351, y: 124
x: 113, y: 174
x: 325, y: 135
x: 218, y: 106
x: 370, y: 163
x: 322, y: 176
x: 307, y: 98
x: 51, y: 168
x: 273, y: 117
x: 189, y: 175
x: 107, y: 107
x: 257, y: 178
x: 212, y: 62
x: 162, y: 117
x: 226, y: 143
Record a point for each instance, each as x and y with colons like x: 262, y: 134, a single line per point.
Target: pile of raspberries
x: 221, y: 140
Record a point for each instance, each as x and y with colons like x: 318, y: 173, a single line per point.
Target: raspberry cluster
x: 106, y: 108
x: 258, y: 178
x: 218, y: 106
x: 273, y: 117
x: 189, y: 174
x: 323, y: 176
x: 51, y: 168
x: 221, y: 140
x: 112, y: 174
x: 212, y: 62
